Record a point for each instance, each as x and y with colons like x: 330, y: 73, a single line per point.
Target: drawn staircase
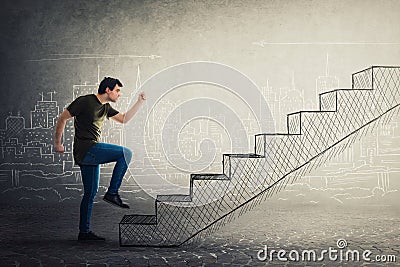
x: 312, y: 138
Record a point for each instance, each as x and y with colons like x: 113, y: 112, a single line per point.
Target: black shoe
x: 90, y: 237
x: 115, y: 200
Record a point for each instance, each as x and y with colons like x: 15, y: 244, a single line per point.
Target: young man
x: 90, y: 111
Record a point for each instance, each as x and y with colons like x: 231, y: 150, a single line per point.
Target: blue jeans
x: 98, y: 154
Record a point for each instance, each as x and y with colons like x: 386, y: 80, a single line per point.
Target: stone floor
x: 45, y: 235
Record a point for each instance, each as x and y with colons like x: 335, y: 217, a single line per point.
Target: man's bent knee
x: 127, y: 155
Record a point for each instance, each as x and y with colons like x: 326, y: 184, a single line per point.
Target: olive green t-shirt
x: 89, y: 115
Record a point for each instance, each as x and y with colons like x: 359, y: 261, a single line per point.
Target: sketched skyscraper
x: 326, y: 83
x: 138, y: 82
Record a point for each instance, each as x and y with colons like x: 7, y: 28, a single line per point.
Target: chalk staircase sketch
x: 278, y: 159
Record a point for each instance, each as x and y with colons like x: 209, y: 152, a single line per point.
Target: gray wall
x: 283, y: 46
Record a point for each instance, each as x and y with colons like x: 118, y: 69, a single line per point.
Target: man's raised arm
x: 126, y: 117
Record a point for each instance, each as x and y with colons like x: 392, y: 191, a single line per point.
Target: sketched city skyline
x: 22, y: 146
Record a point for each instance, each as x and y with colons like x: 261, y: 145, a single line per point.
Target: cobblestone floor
x: 46, y: 236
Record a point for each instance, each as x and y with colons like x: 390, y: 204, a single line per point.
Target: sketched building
x: 45, y: 113
x: 326, y: 82
x: 34, y: 144
x: 12, y: 137
x: 14, y: 127
x: 84, y: 89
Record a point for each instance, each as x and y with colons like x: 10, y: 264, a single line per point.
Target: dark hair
x: 108, y: 82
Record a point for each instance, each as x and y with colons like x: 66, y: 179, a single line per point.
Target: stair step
x: 294, y: 123
x: 248, y: 155
x: 209, y: 176
x: 139, y: 219
x: 328, y: 101
x: 174, y: 198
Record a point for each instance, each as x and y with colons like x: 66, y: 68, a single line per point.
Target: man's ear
x: 108, y: 90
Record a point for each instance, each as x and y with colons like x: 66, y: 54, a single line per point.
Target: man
x: 90, y: 111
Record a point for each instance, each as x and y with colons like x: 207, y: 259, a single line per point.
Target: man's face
x: 114, y: 94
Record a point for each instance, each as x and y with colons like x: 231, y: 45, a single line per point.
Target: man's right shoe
x: 115, y: 200
x: 90, y: 236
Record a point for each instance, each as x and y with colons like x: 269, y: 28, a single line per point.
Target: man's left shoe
x: 115, y: 200
x: 90, y: 236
